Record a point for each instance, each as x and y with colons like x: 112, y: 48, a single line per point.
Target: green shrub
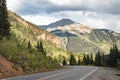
x: 27, y: 58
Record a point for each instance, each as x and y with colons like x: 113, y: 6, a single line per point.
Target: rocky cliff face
x: 29, y: 32
x: 53, y: 39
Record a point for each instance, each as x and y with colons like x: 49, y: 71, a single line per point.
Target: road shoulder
x: 103, y: 73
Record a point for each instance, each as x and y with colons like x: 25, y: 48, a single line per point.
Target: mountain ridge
x: 84, y: 39
x: 35, y: 32
x: 61, y: 22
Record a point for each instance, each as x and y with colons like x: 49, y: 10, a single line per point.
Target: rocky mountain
x: 83, y: 39
x: 61, y: 22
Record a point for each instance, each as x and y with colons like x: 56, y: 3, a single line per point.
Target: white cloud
x: 67, y: 2
x: 93, y: 22
x: 39, y: 20
x: 95, y: 13
x: 15, y: 5
x: 59, y: 2
x: 74, y: 15
x: 102, y: 20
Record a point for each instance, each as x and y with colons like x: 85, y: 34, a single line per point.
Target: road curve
x: 73, y: 73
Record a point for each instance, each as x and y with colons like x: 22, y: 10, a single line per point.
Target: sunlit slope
x: 26, y: 31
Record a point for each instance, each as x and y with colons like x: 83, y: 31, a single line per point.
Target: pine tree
x: 4, y: 23
x: 64, y: 62
x: 98, y: 59
x: 112, y: 58
x: 116, y: 51
x: 29, y: 45
x: 84, y: 59
x: 91, y: 59
x: 72, y: 60
x: 103, y: 61
x: 87, y: 60
x: 40, y: 47
x: 79, y: 62
x: 119, y: 55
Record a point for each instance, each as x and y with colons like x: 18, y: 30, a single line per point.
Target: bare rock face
x: 54, y: 39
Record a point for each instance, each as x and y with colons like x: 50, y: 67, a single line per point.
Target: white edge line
x: 88, y: 74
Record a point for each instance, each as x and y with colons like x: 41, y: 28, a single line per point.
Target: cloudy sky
x: 95, y: 13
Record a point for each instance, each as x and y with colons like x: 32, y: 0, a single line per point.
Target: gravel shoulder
x: 103, y: 73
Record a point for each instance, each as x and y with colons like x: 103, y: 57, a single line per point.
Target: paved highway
x: 73, y: 73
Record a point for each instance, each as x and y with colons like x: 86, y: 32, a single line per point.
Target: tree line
x: 110, y: 60
x: 113, y: 59
x: 87, y: 60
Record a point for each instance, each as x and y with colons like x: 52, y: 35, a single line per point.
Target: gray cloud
x: 47, y: 6
x: 96, y: 13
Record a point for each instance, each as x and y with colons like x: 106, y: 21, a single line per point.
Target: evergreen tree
x: 87, y: 60
x: 29, y: 45
x: 112, y: 58
x: 64, y: 62
x: 91, y: 59
x: 79, y: 62
x: 103, y: 61
x: 4, y: 23
x: 119, y: 55
x: 84, y: 59
x: 72, y: 60
x: 98, y: 59
x: 116, y: 51
x: 40, y: 47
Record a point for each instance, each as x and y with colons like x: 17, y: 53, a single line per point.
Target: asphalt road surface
x: 72, y: 73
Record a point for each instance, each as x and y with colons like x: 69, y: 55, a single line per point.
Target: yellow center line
x: 50, y: 76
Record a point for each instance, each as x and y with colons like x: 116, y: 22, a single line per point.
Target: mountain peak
x: 62, y: 22
x: 66, y: 20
